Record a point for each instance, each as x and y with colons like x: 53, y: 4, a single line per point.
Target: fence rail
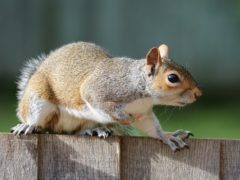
x: 72, y: 157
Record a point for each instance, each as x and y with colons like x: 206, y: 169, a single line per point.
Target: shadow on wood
x: 72, y: 157
x: 68, y: 157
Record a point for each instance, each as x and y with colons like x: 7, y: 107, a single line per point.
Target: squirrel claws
x: 184, y: 138
x: 191, y: 134
x: 177, y: 140
x: 25, y: 129
x: 187, y: 146
x: 172, y: 145
x: 176, y: 150
x: 183, y: 134
x: 100, y: 132
x: 14, y: 128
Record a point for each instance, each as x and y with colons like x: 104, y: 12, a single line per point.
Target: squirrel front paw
x: 175, y: 143
x: 183, y: 134
x: 176, y: 140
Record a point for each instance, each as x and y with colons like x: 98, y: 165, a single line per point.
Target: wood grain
x: 18, y: 157
x: 230, y: 160
x: 72, y: 157
x: 150, y: 159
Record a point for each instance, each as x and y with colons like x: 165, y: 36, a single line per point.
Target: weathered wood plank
x: 18, y: 157
x: 230, y: 160
x: 150, y: 159
x: 71, y: 157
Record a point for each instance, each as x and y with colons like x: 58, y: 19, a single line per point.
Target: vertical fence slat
x: 72, y: 157
x: 230, y: 160
x: 150, y: 159
x: 18, y: 157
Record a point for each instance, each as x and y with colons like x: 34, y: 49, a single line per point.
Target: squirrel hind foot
x: 25, y: 129
x: 99, y: 132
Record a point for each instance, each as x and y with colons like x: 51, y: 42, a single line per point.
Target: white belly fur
x: 70, y: 119
x: 139, y: 106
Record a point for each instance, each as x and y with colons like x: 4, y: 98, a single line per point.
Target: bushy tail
x: 28, y: 70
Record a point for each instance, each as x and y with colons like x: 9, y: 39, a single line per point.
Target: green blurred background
x: 204, y: 36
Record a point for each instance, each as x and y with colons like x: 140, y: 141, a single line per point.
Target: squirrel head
x: 170, y: 83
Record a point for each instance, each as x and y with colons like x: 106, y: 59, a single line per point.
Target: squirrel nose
x: 197, y: 92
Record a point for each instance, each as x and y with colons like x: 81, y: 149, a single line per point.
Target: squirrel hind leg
x: 37, y: 113
x: 35, y: 108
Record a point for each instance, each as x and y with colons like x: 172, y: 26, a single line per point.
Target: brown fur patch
x: 52, y: 120
x: 23, y: 109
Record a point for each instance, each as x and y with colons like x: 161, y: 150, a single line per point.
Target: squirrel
x: 80, y: 86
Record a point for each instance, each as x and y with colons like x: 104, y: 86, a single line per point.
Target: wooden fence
x: 71, y: 157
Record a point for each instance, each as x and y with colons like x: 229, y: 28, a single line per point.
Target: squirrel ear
x: 153, y: 60
x: 163, y: 51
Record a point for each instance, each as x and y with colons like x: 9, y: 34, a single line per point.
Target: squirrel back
x: 62, y: 66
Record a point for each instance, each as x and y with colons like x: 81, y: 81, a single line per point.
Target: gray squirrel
x: 80, y: 86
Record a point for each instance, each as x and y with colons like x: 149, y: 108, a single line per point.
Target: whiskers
x: 166, y: 114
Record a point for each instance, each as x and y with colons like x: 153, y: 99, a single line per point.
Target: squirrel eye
x: 173, y: 78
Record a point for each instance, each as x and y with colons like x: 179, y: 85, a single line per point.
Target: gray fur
x: 27, y: 71
x: 111, y: 88
x: 104, y: 83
